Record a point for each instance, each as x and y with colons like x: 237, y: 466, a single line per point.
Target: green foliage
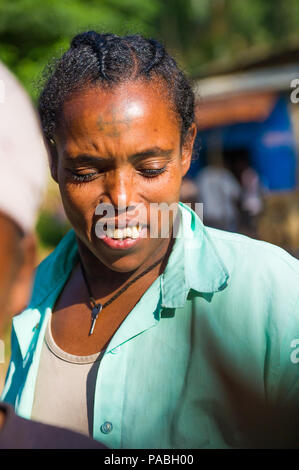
x: 50, y: 229
x: 32, y: 32
x: 198, y: 32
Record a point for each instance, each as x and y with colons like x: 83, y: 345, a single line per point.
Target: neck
x: 112, y: 280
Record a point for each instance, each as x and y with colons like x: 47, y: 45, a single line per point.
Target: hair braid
x: 98, y: 44
x: 111, y: 59
x: 159, y: 52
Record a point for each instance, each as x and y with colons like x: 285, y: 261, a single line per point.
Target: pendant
x: 94, y: 315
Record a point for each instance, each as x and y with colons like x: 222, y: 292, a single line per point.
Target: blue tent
x: 270, y: 145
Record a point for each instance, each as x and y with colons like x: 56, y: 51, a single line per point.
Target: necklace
x: 98, y: 307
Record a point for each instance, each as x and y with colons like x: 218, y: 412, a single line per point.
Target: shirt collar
x: 194, y: 263
x: 55, y: 269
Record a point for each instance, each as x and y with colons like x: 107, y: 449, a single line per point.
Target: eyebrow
x: 152, y: 152
x: 89, y: 159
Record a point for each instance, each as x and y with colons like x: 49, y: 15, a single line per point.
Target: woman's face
x: 120, y: 149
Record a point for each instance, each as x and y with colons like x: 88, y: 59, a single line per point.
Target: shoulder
x: 241, y: 245
x: 255, y: 264
x: 60, y: 254
x: 55, y: 267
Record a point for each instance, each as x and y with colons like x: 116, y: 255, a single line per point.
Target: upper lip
x: 122, y: 224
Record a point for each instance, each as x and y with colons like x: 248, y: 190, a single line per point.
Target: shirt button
x: 106, y: 427
x: 115, y: 350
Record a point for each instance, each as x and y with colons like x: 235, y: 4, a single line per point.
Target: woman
x: 142, y: 318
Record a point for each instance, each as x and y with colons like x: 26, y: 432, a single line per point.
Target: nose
x: 120, y: 189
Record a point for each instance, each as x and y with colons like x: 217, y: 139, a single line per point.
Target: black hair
x: 108, y: 59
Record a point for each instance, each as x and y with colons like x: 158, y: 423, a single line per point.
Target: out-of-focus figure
x: 252, y: 203
x: 220, y: 193
x: 23, y: 161
x: 252, y: 194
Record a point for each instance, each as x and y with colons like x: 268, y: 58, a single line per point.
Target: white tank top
x: 64, y: 391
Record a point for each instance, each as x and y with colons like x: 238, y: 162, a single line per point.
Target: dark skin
x: 17, y: 259
x: 9, y: 239
x: 120, y: 146
x: 17, y: 263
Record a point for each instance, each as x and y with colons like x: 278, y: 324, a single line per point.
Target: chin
x: 124, y: 264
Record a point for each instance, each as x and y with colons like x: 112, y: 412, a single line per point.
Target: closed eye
x: 152, y: 172
x: 83, y: 177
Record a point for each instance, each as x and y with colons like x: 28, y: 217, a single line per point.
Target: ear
x: 21, y: 290
x: 187, y: 148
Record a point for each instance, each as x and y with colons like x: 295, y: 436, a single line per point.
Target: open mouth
x: 123, y: 233
x: 123, y: 238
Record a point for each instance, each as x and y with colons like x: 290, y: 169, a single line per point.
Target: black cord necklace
x: 98, y: 307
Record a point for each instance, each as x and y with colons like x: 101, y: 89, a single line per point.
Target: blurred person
x: 220, y: 193
x: 251, y: 202
x: 252, y: 198
x: 23, y: 178
x: 171, y: 330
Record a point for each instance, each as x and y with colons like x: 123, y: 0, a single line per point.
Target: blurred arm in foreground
x: 23, y: 176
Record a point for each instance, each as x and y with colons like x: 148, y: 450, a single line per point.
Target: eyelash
x: 152, y: 172
x: 82, y: 178
x: 146, y: 173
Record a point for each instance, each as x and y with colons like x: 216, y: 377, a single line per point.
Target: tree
x: 198, y: 32
x: 32, y: 32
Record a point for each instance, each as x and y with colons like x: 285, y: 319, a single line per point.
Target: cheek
x: 163, y: 195
x: 76, y: 198
x: 79, y: 205
x: 165, y: 188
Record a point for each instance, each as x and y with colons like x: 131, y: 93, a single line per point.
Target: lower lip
x: 125, y: 243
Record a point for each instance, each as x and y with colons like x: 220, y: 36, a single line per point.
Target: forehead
x: 125, y: 114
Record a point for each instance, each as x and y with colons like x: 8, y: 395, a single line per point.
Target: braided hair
x: 107, y: 60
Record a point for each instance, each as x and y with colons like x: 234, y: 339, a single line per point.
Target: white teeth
x: 118, y: 233
x: 110, y: 232
x: 135, y: 232
x: 127, y: 232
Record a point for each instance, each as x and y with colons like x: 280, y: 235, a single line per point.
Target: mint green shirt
x: 225, y: 304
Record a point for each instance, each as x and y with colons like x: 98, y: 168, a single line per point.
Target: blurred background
x: 243, y: 58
